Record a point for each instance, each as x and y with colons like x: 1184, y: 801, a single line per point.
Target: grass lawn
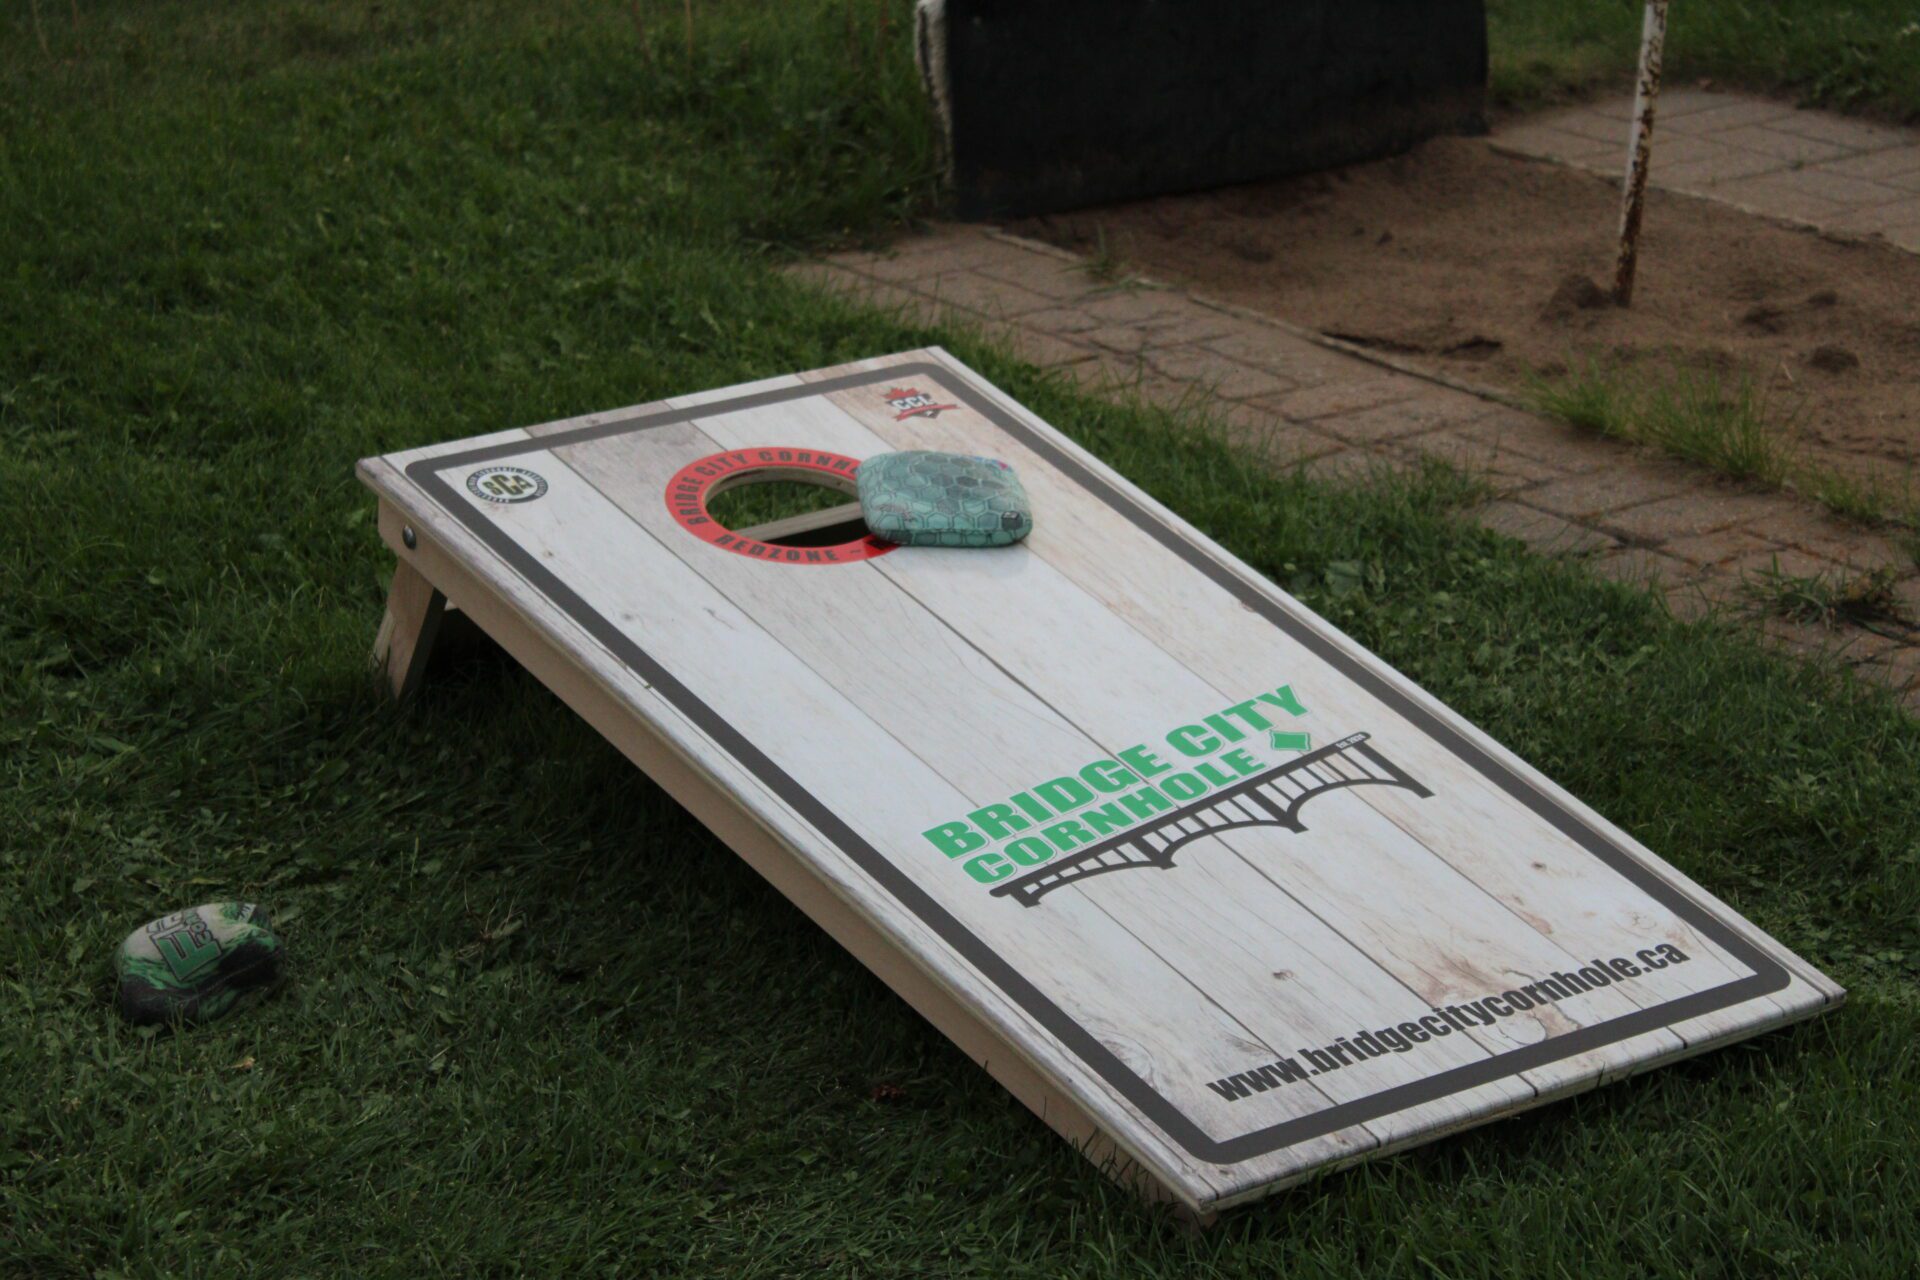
x: 541, y: 1021
x: 1845, y: 54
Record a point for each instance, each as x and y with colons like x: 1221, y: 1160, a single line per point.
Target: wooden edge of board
x: 1543, y: 1098
x: 404, y: 643
x: 775, y: 863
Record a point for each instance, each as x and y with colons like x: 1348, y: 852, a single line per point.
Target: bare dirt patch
x: 1489, y: 266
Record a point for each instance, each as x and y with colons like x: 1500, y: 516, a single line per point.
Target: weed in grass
x: 1870, y: 499
x: 39, y: 31
x: 1586, y: 400
x: 1731, y: 427
x: 1104, y: 263
x: 1829, y: 598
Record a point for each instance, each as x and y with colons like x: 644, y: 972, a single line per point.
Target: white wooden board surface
x: 1241, y: 900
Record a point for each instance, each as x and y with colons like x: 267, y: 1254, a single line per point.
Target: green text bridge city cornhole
x: 1272, y: 798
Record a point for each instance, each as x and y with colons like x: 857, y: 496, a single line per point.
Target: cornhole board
x: 1217, y: 893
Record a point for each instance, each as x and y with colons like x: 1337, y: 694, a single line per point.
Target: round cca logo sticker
x: 506, y: 484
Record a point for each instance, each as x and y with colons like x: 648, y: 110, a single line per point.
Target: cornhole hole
x: 1218, y: 894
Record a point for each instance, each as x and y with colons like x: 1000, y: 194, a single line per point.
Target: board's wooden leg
x: 408, y: 630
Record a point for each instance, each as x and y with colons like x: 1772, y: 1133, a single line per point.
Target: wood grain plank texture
x: 1221, y: 896
x: 404, y: 643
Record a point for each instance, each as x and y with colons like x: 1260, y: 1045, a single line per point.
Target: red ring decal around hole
x: 693, y: 484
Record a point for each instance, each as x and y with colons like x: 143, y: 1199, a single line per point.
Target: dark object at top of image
x: 1071, y: 103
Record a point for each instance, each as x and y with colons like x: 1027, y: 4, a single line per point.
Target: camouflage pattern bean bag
x: 925, y: 499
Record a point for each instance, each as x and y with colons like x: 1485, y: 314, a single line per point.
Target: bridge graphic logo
x: 1272, y: 798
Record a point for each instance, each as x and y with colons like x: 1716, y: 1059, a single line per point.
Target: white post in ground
x: 1633, y: 196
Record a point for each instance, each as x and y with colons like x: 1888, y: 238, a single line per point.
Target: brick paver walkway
x: 1811, y: 167
x: 1634, y: 514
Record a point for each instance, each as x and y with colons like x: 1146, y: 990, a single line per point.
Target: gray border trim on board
x: 1768, y: 976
